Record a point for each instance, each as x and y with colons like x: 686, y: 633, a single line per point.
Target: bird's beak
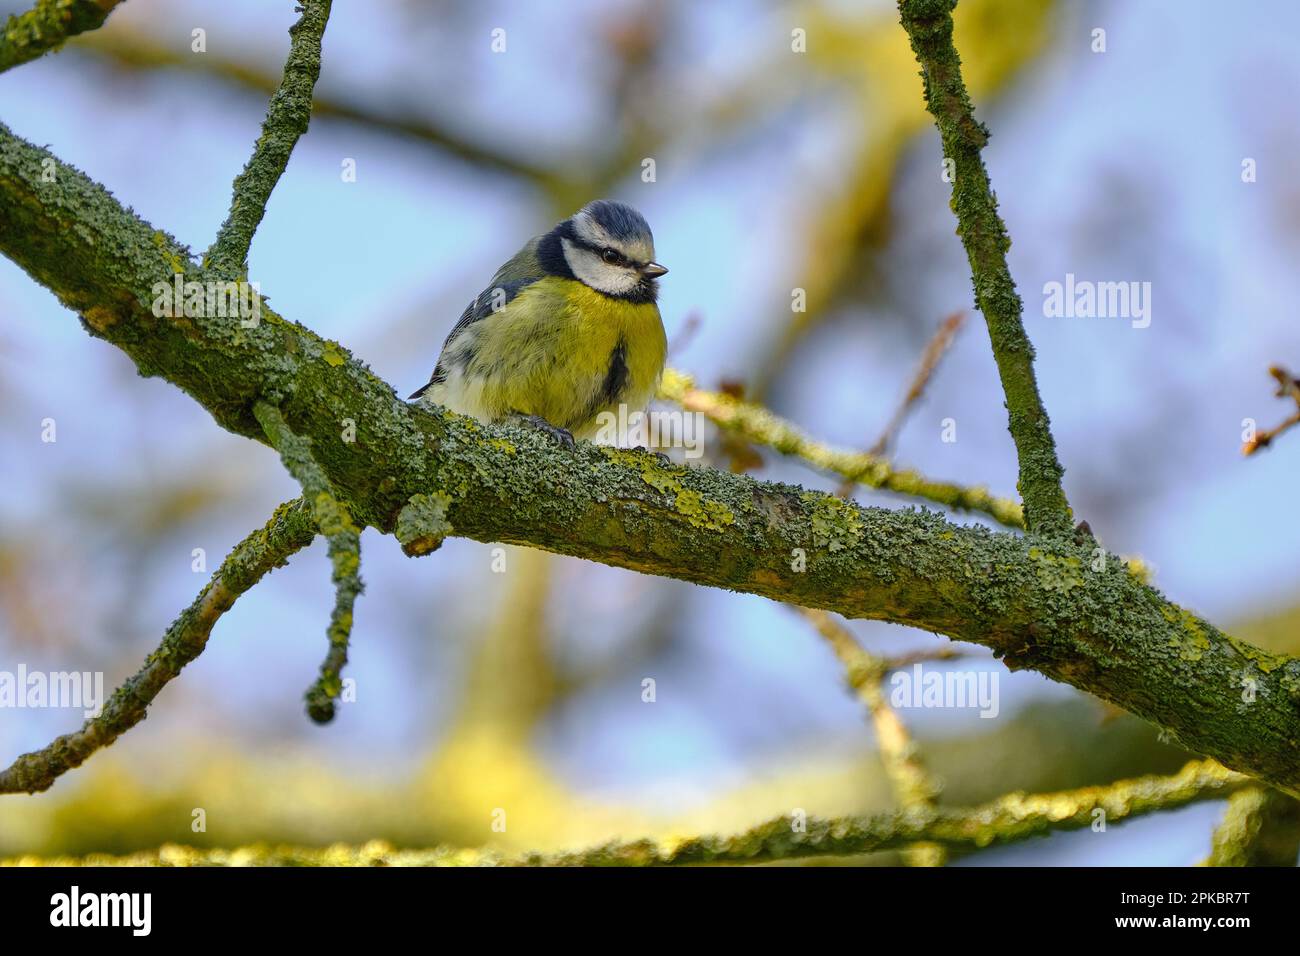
x: 653, y: 270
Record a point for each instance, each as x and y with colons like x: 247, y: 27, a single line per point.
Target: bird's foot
x: 561, y: 435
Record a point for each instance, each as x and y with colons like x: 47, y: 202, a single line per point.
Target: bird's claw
x: 561, y: 435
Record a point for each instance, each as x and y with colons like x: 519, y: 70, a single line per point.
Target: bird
x: 568, y: 329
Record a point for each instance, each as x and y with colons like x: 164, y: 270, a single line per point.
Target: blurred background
x: 774, y: 170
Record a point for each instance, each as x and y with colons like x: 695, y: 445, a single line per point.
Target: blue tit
x: 568, y: 329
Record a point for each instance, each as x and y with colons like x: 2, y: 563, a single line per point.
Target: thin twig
x: 936, y: 654
x: 756, y: 424
x: 930, y: 359
x: 344, y: 538
x: 1287, y: 386
x: 46, y: 27
x: 934, y: 352
x: 929, y: 28
x: 287, y: 117
x: 290, y: 529
x: 914, y: 787
x: 690, y: 327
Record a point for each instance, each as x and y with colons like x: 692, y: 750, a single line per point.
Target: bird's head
x: 607, y: 245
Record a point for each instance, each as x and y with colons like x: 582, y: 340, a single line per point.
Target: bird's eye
x: 611, y: 256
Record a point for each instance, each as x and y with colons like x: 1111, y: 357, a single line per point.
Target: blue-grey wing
x: 512, y: 278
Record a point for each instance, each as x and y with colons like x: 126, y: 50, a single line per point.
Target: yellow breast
x: 549, y: 353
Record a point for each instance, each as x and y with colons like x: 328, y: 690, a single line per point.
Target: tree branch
x: 756, y: 424
x: 131, y: 50
x: 344, y: 538
x: 290, y: 530
x: 1035, y: 601
x: 1288, y: 386
x: 929, y: 27
x: 1008, y: 819
x: 1261, y: 827
x: 47, y: 25
x: 287, y: 117
x: 914, y: 786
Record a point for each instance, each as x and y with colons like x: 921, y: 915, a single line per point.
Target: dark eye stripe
x: 599, y: 251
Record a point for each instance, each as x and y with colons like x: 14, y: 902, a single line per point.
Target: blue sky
x: 1116, y: 166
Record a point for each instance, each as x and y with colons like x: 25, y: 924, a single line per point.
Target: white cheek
x: 600, y: 275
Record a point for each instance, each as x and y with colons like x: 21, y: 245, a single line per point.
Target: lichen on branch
x: 289, y: 530
x: 47, y: 25
x: 1007, y: 819
x: 756, y: 424
x: 344, y: 539
x: 1051, y: 603
x: 929, y: 28
x: 1261, y: 827
x: 287, y: 118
